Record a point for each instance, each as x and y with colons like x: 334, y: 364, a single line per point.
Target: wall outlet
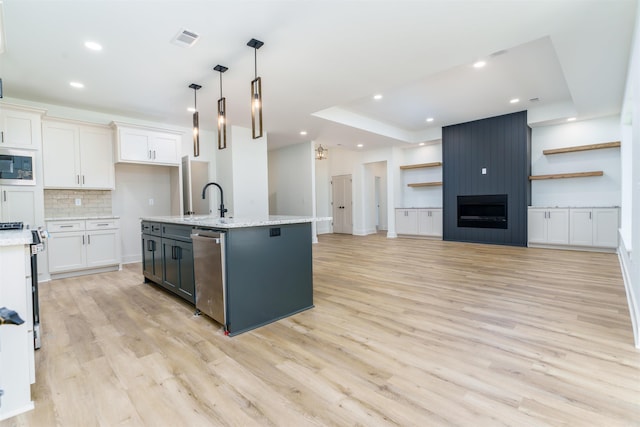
x: 484, y: 171
x: 151, y: 202
x: 78, y: 202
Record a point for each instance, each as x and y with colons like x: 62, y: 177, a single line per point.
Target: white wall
x: 629, y: 250
x: 589, y: 191
x: 290, y: 180
x: 323, y: 195
x: 135, y: 186
x: 421, y: 197
x: 250, y: 174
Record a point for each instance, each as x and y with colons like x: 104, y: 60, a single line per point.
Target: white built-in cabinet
x: 549, y: 226
x: 574, y: 227
x: 18, y: 203
x: 594, y: 227
x: 19, y: 128
x: 419, y: 222
x: 83, y: 244
x: 143, y: 144
x: 77, y: 155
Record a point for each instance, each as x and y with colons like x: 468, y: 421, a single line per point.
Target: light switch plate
x: 484, y: 171
x: 78, y: 202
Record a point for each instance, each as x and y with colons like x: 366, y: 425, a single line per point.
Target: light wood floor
x: 404, y: 332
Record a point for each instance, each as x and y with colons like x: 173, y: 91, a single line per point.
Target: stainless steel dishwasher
x: 208, y: 259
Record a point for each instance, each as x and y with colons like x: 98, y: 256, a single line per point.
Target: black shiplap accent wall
x: 502, y: 145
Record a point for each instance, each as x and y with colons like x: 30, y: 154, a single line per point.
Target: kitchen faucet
x: 204, y: 193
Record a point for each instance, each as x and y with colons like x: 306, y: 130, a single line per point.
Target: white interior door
x: 342, y: 204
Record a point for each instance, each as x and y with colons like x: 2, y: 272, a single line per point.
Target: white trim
x: 634, y: 308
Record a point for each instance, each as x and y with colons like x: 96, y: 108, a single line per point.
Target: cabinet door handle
x: 2, y: 136
x: 4, y: 195
x: 589, y: 215
x: 82, y: 179
x: 154, y: 154
x: 178, y: 252
x: 88, y: 239
x: 83, y: 240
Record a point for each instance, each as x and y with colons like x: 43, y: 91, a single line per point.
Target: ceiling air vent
x: 185, y: 38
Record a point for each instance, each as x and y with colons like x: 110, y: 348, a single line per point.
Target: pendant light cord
x: 220, y: 84
x: 255, y: 62
x: 195, y: 99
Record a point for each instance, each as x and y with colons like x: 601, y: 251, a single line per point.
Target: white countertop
x: 572, y: 207
x: 15, y: 237
x: 78, y: 218
x: 217, y: 222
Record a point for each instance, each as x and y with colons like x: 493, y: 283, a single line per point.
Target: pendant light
x: 196, y: 125
x: 256, y: 93
x: 222, y: 112
x: 321, y: 153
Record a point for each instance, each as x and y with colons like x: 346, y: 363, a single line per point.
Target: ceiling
x: 323, y: 61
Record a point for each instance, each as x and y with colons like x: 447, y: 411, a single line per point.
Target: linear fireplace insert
x: 484, y: 211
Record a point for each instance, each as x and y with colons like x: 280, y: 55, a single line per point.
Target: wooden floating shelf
x: 425, y: 184
x: 421, y: 165
x: 565, y: 175
x: 613, y: 144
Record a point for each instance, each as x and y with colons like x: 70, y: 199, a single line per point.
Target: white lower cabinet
x: 83, y: 244
x: 549, y: 226
x: 430, y: 222
x: 573, y: 227
x: 406, y: 221
x: 594, y: 227
x: 419, y: 222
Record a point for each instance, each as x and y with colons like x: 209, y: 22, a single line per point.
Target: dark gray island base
x: 266, y: 265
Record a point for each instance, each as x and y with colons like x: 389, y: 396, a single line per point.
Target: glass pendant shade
x: 256, y: 108
x: 196, y: 121
x: 196, y: 135
x: 222, y: 123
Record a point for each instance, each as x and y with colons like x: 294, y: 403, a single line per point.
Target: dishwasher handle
x: 206, y: 235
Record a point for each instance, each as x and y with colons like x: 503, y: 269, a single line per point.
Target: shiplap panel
x: 502, y: 145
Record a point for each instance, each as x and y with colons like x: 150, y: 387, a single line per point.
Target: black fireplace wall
x: 502, y: 146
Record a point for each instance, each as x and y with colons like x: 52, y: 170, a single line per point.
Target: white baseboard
x: 626, y: 265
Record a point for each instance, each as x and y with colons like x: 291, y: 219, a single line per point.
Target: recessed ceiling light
x: 421, y: 144
x: 479, y: 64
x: 191, y: 109
x: 515, y: 100
x: 360, y: 145
x: 92, y: 45
x: 377, y: 97
x: 77, y: 85
x: 571, y: 119
x: 303, y: 132
x: 429, y: 119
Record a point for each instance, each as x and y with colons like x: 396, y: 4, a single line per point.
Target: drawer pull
x: 66, y: 226
x: 102, y: 225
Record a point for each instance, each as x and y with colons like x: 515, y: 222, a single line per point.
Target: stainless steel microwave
x: 17, y: 167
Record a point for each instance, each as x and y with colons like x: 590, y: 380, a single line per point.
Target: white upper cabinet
x: 77, y: 155
x: 19, y: 128
x: 18, y: 203
x: 141, y: 144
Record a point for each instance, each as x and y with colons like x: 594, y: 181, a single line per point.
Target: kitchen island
x: 265, y: 265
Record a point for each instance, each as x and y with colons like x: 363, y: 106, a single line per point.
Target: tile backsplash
x: 62, y: 203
